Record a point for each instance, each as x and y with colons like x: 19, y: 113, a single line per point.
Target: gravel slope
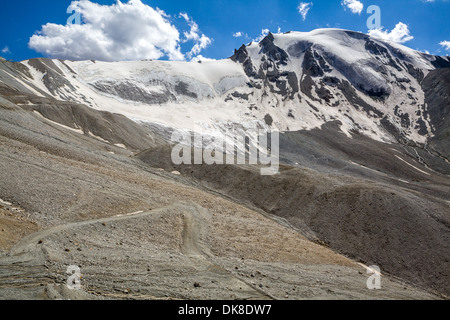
x: 187, y: 242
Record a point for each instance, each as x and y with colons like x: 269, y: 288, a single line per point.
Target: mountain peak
x: 300, y: 80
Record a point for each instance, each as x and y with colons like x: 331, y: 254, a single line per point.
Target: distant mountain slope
x: 301, y: 80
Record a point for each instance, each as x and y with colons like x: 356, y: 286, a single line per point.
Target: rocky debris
x: 182, y: 88
x: 128, y: 91
x: 53, y: 78
x: 359, y: 203
x: 437, y: 99
x: 274, y: 53
x: 268, y: 119
x: 242, y: 57
x: 311, y: 66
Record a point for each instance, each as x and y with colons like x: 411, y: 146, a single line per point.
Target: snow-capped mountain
x: 289, y: 82
x: 364, y: 166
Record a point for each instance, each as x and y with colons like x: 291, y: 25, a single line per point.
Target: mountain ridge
x: 286, y: 82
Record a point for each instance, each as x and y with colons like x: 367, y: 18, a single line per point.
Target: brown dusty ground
x: 138, y: 232
x: 13, y: 227
x: 402, y: 229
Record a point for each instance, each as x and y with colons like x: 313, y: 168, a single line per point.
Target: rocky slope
x: 139, y: 232
x: 87, y: 179
x: 287, y: 82
x: 298, y: 80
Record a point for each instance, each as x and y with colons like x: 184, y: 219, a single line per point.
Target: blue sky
x: 180, y: 30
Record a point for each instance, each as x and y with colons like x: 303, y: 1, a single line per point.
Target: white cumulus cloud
x: 241, y: 34
x: 399, y: 34
x: 355, y: 6
x: 264, y: 33
x: 6, y: 50
x: 121, y: 31
x: 445, y: 44
x: 303, y: 8
x: 201, y: 41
